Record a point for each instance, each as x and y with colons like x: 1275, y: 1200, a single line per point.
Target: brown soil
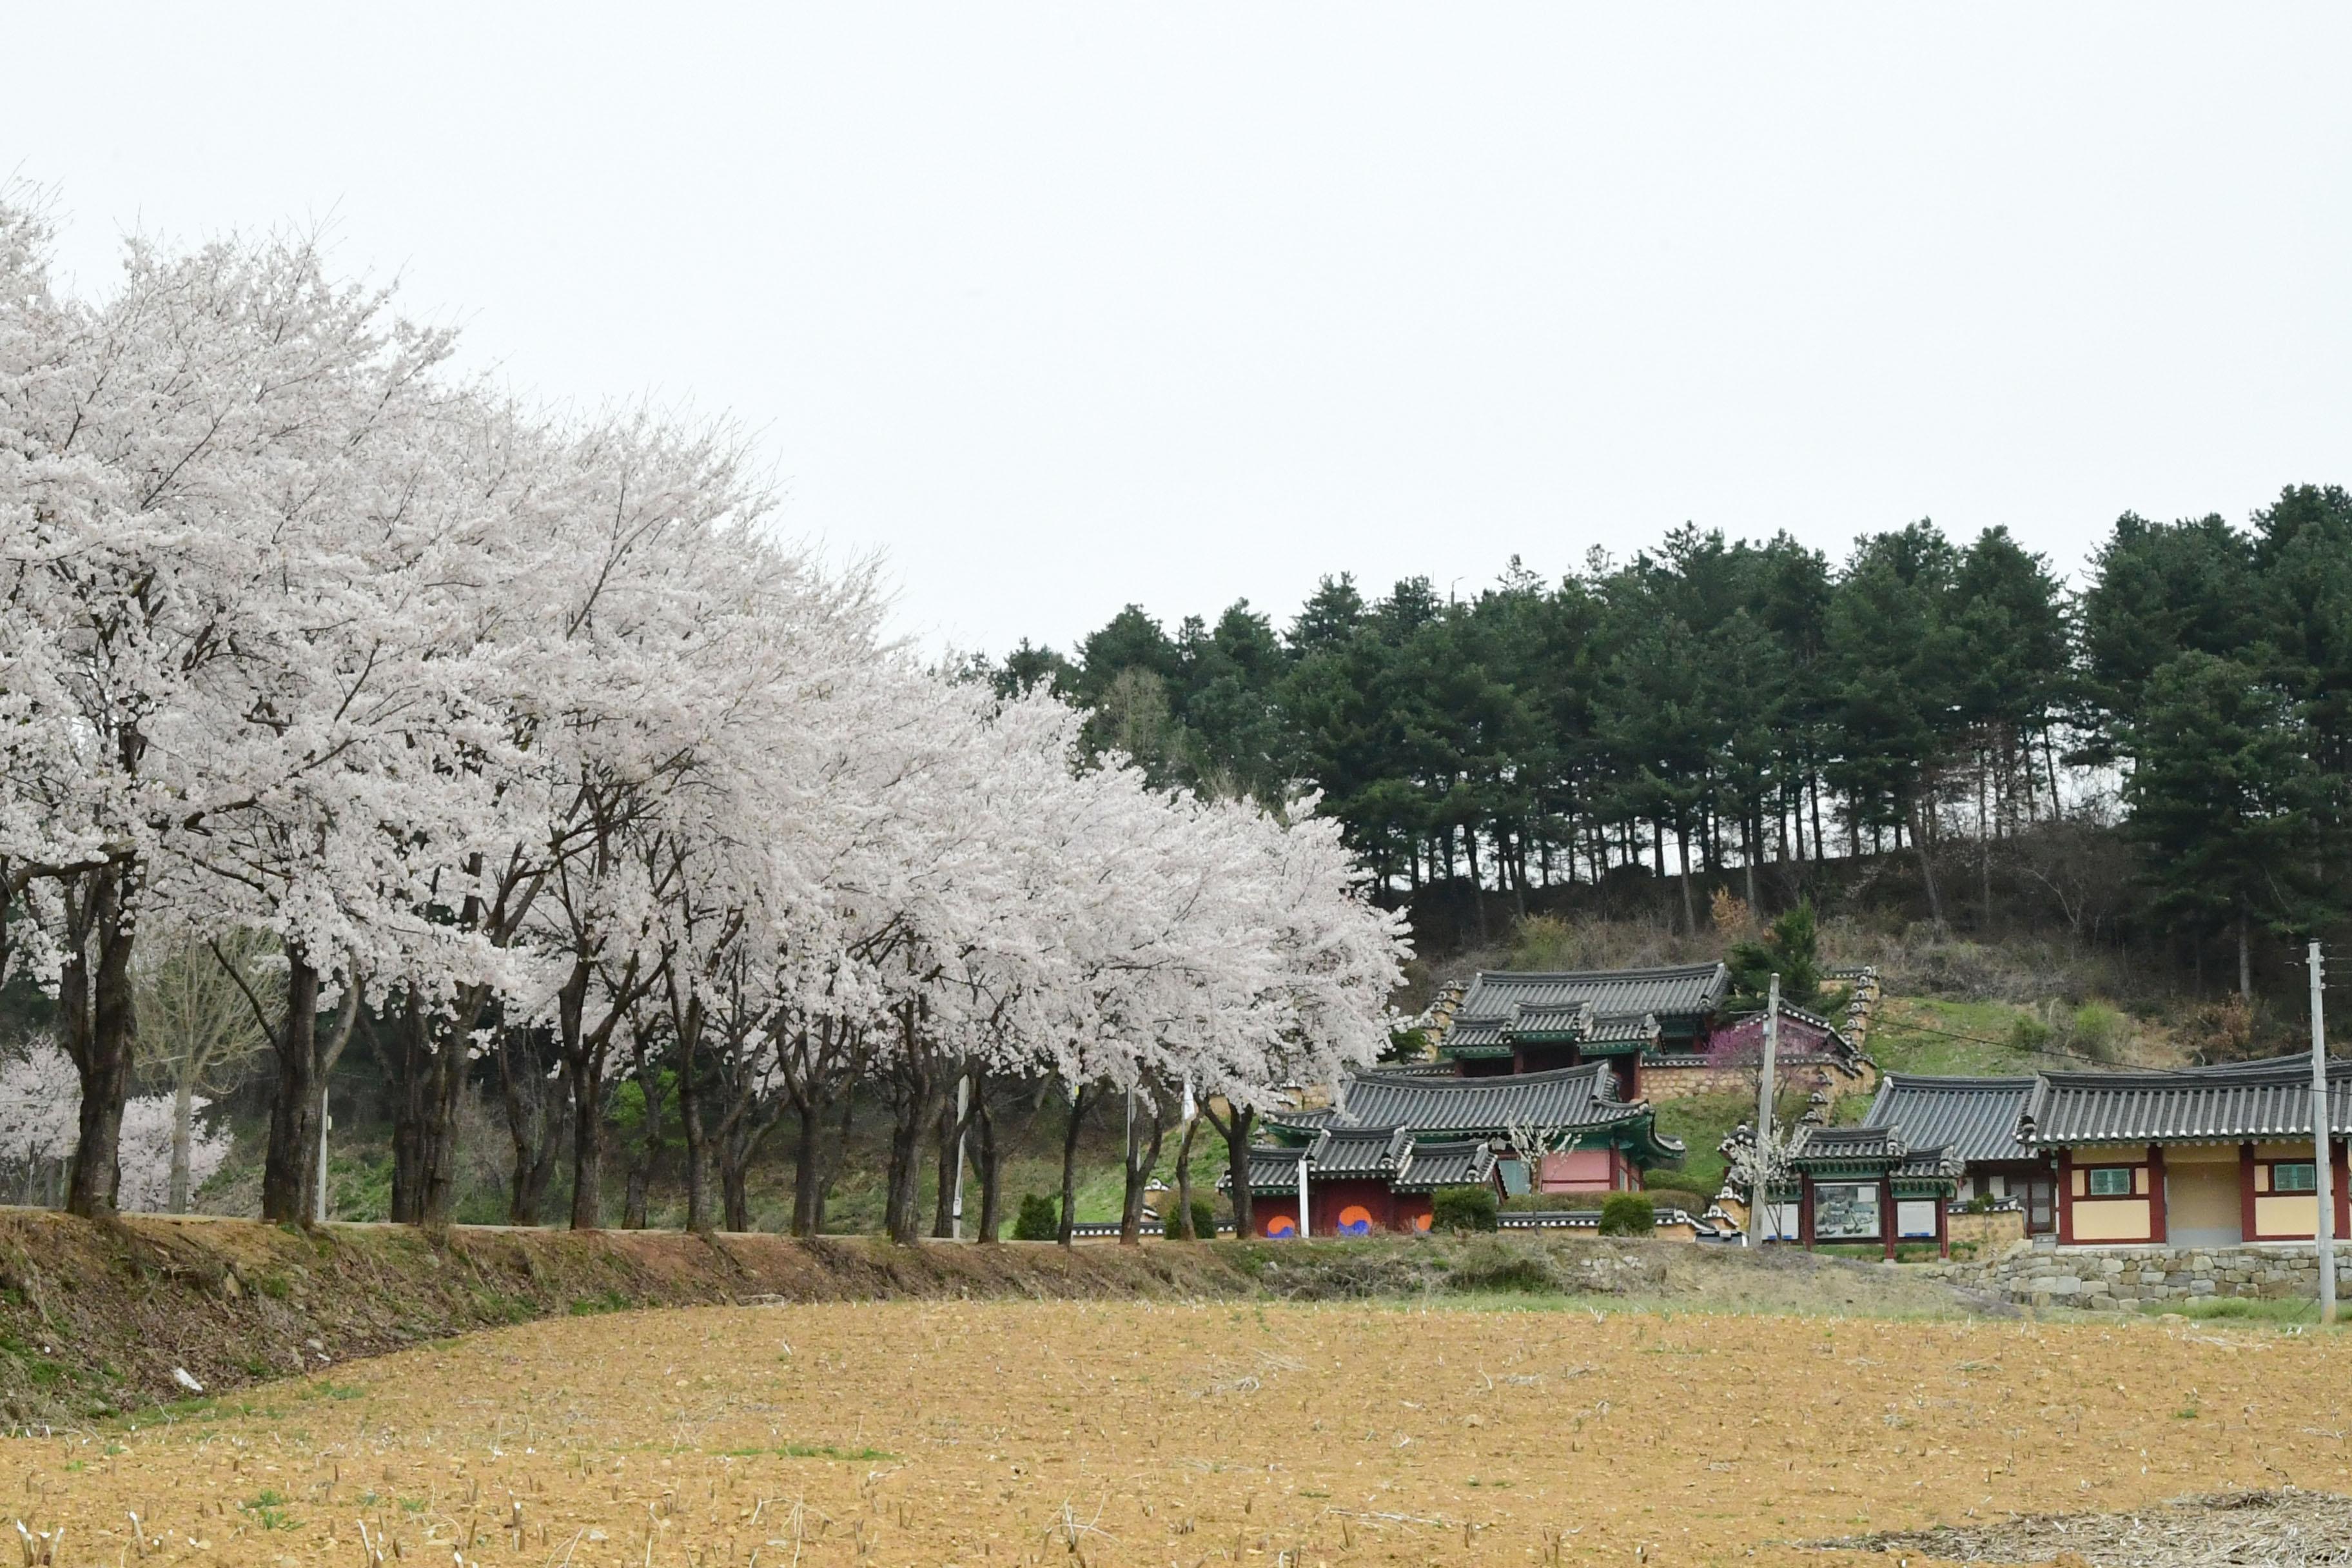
x: 1239, y: 1433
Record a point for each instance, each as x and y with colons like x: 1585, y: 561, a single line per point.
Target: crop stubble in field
x: 1011, y: 1433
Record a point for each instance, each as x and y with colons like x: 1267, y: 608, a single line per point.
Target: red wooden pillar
x: 1942, y: 1225
x: 2245, y: 1192
x: 1634, y: 1077
x: 2156, y: 1218
x: 2066, y: 1197
x: 1804, y: 1210
x: 1886, y: 1225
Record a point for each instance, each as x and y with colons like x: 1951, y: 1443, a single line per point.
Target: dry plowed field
x: 1133, y: 1433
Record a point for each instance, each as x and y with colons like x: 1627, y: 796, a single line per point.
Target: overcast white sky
x: 1064, y: 307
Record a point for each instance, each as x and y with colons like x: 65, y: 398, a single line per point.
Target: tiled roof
x: 1578, y: 1096
x: 1842, y: 1145
x: 1975, y: 1118
x: 1822, y: 1150
x: 1360, y: 1151
x: 2241, y: 1101
x: 1695, y: 988
x: 1436, y: 1166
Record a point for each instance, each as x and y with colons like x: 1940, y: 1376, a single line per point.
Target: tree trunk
x: 1682, y: 854
x: 101, y: 1033
x: 1926, y: 868
x: 183, y: 1115
x: 947, y: 1158
x: 427, y: 1065
x: 697, y: 1143
x: 911, y: 1108
x: 1984, y: 843
x: 1068, y: 1234
x: 1141, y: 1157
x: 2246, y: 958
x: 586, y: 1081
x: 523, y: 1089
x: 286, y: 1167
x: 808, y: 1205
x: 637, y: 1192
x: 991, y: 1173
x: 1235, y: 1126
x: 735, y: 1190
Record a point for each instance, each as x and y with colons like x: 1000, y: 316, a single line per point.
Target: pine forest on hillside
x: 2163, y: 756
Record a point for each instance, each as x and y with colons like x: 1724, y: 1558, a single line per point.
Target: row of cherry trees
x: 524, y: 733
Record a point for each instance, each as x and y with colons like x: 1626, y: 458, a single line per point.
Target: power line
x: 1997, y: 1044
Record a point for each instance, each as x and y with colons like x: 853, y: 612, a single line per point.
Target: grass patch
x: 806, y: 1451
x: 2283, y: 1311
x: 595, y: 1306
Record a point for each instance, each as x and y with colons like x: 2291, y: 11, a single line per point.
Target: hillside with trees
x: 2156, y: 762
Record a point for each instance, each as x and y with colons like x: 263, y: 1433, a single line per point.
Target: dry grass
x: 1149, y: 1433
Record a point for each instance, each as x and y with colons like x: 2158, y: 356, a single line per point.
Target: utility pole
x: 964, y: 1108
x: 1304, y: 1155
x: 2323, y: 1165
x: 1759, y: 1200
x: 326, y: 1122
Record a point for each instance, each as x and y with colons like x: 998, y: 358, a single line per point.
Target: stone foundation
x: 2122, y: 1277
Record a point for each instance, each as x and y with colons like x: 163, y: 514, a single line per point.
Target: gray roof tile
x: 1975, y: 1118
x: 1578, y: 1096
x: 1688, y: 989
x: 2216, y: 1104
x: 1436, y: 1166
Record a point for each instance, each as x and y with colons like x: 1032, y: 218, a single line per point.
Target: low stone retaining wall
x: 2124, y: 1277
x: 1992, y: 1232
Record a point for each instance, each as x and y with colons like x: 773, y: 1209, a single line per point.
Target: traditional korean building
x: 1975, y: 1121
x: 2190, y: 1157
x: 1388, y: 1139
x: 1512, y: 1022
x: 1359, y: 1182
x: 1871, y: 1184
x: 1663, y: 1032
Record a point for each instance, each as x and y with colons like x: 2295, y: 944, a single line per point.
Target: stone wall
x: 1992, y: 1232
x: 2040, y: 1275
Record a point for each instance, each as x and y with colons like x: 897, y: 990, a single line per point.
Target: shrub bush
x: 1464, y: 1208
x: 1204, y: 1222
x: 1040, y: 1219
x: 1628, y: 1213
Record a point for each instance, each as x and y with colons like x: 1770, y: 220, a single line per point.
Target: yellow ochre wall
x: 2288, y: 1217
x: 2112, y: 1219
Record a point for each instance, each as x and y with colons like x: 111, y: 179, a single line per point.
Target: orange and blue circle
x: 1355, y: 1220
x: 1281, y: 1228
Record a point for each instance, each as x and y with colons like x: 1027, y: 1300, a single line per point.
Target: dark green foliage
x: 1464, y: 1208
x: 1791, y: 949
x: 1715, y: 705
x: 1628, y: 1213
x: 1039, y: 1219
x: 1204, y: 1222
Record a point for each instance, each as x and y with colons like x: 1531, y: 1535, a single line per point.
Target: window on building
x: 2111, y: 1181
x: 2304, y: 1178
